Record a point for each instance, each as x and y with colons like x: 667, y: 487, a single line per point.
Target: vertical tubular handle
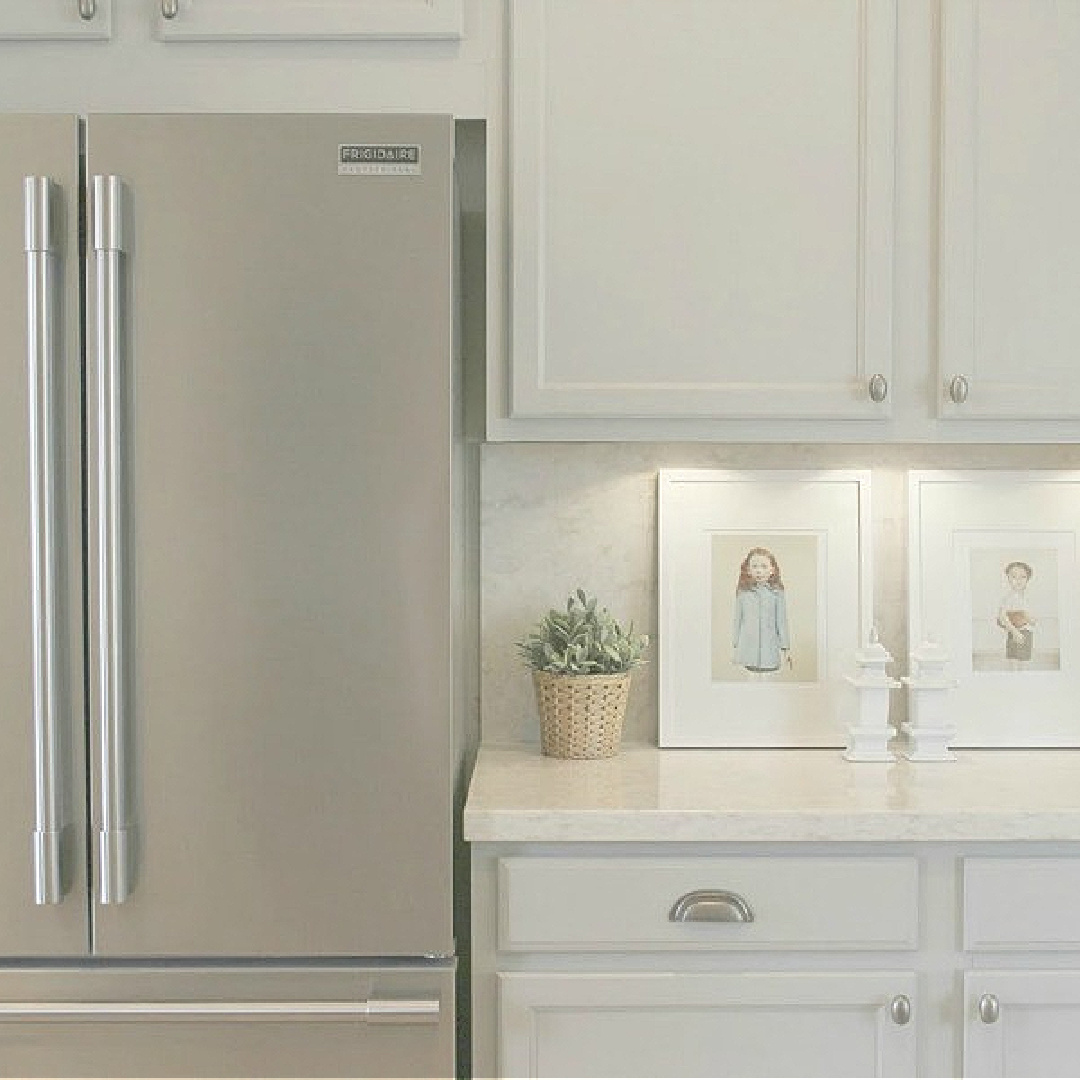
x: 41, y: 365
x: 113, y: 847
x: 87, y: 9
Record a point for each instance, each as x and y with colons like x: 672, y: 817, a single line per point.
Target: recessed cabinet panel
x: 1010, y: 217
x: 1012, y: 903
x: 208, y: 20
x: 772, y: 1024
x: 1021, y: 1023
x: 42, y: 19
x: 702, y: 207
x: 708, y: 903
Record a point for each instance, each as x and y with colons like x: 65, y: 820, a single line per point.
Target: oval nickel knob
x: 878, y: 388
x: 989, y: 1009
x: 900, y: 1010
x: 87, y: 9
x: 711, y: 905
x: 170, y: 9
x: 959, y: 388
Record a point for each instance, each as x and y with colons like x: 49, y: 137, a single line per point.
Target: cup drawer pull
x: 711, y: 905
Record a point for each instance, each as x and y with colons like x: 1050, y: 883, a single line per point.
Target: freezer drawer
x: 255, y: 1021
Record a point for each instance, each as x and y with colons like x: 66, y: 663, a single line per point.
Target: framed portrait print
x: 993, y: 578
x: 764, y: 598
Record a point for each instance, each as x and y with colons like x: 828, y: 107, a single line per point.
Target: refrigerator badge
x: 378, y: 159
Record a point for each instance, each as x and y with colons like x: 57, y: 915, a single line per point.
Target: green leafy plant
x: 582, y: 640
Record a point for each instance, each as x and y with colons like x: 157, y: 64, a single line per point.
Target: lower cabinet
x: 687, y: 1024
x: 1022, y: 1023
x: 916, y: 958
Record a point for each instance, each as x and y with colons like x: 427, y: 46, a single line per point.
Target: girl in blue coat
x: 761, y: 626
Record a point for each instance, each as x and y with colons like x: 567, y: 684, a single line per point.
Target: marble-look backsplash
x: 556, y: 516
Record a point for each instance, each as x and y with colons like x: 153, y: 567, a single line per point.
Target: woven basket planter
x: 581, y: 716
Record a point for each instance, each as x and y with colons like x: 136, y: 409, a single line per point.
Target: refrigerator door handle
x: 421, y: 1011
x: 114, y: 839
x: 41, y: 359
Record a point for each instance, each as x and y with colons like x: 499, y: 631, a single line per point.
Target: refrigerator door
x: 42, y: 723
x: 269, y: 540
x: 284, y: 1021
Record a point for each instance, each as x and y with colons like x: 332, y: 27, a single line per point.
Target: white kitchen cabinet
x: 702, y: 208
x: 211, y: 20
x: 695, y: 963
x: 896, y: 959
x: 914, y: 918
x: 78, y: 20
x: 726, y: 217
x: 1021, y: 1020
x: 1010, y: 220
x: 1021, y: 1023
x: 424, y: 56
x: 678, y: 1024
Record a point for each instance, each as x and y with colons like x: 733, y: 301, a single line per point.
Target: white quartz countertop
x: 647, y: 794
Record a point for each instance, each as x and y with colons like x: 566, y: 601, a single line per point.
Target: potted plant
x: 581, y: 659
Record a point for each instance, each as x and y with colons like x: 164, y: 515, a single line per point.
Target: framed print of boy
x: 760, y: 635
x: 1014, y: 616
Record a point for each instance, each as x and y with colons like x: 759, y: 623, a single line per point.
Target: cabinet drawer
x: 1021, y: 903
x: 728, y: 903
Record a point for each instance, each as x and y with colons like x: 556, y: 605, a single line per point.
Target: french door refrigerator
x: 226, y: 748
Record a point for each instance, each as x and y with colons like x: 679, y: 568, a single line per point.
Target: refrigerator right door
x: 42, y: 785
x: 269, y: 542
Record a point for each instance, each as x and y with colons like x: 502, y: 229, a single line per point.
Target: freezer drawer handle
x: 41, y: 365
x: 414, y: 1011
x: 114, y: 846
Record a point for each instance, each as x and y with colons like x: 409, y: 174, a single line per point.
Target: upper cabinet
x: 71, y: 19
x: 702, y: 207
x: 210, y: 20
x: 1010, y: 216
x: 401, y: 56
x: 805, y: 220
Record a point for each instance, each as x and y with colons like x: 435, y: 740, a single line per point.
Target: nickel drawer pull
x: 375, y: 1010
x: 711, y: 905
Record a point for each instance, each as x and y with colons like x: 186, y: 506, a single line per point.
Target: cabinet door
x: 30, y: 19
x: 201, y: 20
x: 1021, y: 1023
x: 702, y: 199
x: 1010, y: 220
x: 776, y: 1024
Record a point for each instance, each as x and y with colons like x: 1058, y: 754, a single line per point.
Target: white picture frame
x: 992, y: 551
x: 714, y: 691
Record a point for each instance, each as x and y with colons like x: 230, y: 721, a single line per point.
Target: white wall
x: 562, y: 515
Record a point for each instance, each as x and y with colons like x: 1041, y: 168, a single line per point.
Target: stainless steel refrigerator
x: 226, y: 686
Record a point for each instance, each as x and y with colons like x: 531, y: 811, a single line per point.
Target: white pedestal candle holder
x: 868, y: 736
x: 930, y: 728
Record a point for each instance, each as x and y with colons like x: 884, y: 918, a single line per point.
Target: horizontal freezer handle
x: 390, y: 1010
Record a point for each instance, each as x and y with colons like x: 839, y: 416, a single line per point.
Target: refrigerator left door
x: 43, y: 893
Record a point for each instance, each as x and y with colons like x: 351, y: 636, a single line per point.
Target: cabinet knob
x: 959, y: 388
x: 87, y: 9
x: 170, y: 9
x: 900, y: 1010
x: 711, y: 905
x: 878, y: 388
x: 989, y: 1009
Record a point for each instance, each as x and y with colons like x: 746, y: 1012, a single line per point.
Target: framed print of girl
x: 761, y: 639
